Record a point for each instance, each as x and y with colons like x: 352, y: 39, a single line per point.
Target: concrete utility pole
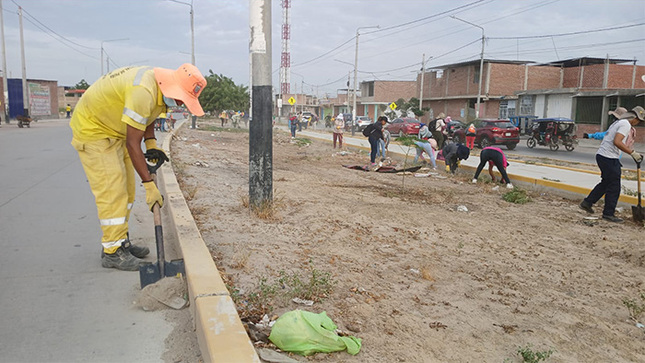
x: 102, y: 51
x: 355, y: 75
x: 260, y: 130
x: 5, y: 74
x: 481, y: 63
x: 25, y: 92
x: 423, y: 72
x: 192, y: 43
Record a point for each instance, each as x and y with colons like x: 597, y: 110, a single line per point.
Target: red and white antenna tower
x: 285, y: 64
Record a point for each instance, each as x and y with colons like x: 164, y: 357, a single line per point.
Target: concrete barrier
x: 220, y: 333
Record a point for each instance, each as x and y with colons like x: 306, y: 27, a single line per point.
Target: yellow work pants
x: 110, y: 173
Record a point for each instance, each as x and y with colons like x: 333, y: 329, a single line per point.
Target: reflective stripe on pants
x: 110, y: 173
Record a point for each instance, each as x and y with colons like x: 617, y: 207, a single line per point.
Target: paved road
x: 58, y: 303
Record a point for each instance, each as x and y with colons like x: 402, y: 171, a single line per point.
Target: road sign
x: 393, y: 106
x: 292, y: 101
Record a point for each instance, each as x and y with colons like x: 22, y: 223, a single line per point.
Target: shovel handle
x: 638, y: 177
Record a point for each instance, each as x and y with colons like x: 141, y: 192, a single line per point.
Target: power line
x: 389, y: 28
x: 571, y: 33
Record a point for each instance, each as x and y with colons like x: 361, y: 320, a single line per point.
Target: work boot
x: 122, y: 259
x: 136, y: 251
x: 586, y: 206
x: 612, y: 218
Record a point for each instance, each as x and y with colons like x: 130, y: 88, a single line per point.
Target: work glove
x: 153, y: 153
x: 636, y: 156
x: 153, y: 196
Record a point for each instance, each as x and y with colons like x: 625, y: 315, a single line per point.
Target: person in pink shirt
x: 493, y: 155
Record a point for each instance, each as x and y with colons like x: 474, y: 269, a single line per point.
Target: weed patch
x: 517, y: 196
x: 635, y: 307
x: 316, y: 286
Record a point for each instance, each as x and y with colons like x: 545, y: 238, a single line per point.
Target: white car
x: 362, y: 122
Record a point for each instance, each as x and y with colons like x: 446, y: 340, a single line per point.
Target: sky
x: 63, y: 38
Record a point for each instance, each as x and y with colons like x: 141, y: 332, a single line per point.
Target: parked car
x: 455, y: 125
x: 403, y: 126
x: 362, y: 122
x: 492, y: 132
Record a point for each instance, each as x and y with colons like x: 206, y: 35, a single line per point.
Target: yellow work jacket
x: 125, y: 96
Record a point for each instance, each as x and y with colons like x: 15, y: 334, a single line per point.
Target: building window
x: 506, y: 109
x: 439, y: 73
x: 526, y: 105
x: 370, y: 89
x: 476, y: 75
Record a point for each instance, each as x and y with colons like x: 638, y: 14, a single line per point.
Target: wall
x: 390, y: 91
x: 505, y: 79
x: 543, y: 77
x: 593, y: 76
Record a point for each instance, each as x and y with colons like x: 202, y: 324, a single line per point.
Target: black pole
x: 261, y: 128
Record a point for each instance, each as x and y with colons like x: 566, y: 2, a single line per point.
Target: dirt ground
x: 415, y: 278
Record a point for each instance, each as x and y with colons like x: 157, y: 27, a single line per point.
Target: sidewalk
x: 571, y: 182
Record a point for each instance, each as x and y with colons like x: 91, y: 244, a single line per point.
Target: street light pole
x: 107, y: 41
x: 481, y: 63
x: 355, y: 75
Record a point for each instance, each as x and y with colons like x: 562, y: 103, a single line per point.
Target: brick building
x: 375, y: 96
x: 583, y: 89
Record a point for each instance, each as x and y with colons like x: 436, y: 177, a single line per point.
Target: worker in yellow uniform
x: 111, y: 119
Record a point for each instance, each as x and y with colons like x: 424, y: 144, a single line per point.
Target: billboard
x: 39, y: 100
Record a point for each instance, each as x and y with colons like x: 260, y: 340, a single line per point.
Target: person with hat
x: 114, y: 115
x: 620, y: 137
x: 339, y: 124
x: 601, y: 134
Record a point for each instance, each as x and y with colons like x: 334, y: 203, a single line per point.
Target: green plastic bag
x: 307, y: 333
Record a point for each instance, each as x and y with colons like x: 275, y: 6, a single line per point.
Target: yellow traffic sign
x: 393, y: 106
x: 292, y: 101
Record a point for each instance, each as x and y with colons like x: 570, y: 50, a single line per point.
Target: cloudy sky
x: 63, y: 38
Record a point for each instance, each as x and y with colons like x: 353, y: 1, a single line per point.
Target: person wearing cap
x: 494, y: 156
x: 339, y: 124
x: 620, y: 137
x: 114, y: 115
x: 601, y: 134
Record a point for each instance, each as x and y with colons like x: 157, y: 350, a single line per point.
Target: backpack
x: 368, y: 130
x: 432, y: 126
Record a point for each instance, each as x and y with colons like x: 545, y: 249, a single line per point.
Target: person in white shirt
x: 620, y: 137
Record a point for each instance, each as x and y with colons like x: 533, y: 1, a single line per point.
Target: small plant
x: 628, y: 191
x: 635, y: 308
x: 517, y: 196
x: 409, y: 142
x: 319, y: 286
x: 528, y: 355
x: 301, y: 141
x: 223, y: 129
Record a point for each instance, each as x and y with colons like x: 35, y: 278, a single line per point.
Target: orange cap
x: 184, y: 84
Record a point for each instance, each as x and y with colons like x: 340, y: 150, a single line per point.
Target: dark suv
x: 491, y: 132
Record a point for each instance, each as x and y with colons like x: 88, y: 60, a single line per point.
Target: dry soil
x: 415, y: 278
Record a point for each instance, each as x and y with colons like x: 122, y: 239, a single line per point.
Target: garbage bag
x: 307, y: 333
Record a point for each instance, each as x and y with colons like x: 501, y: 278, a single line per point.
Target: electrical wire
x: 567, y: 34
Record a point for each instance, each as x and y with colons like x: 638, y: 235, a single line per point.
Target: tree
x: 404, y: 108
x: 82, y: 84
x: 221, y: 93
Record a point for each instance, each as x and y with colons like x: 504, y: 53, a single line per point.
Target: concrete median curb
x: 220, y: 333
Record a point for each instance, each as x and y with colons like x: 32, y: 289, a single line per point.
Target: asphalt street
x: 58, y: 303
